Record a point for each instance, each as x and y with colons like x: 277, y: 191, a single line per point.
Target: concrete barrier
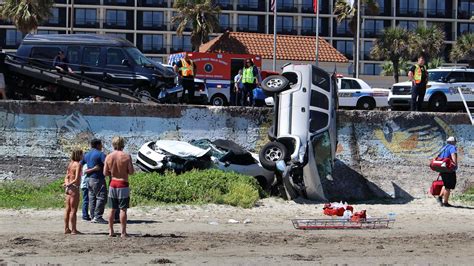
x: 380, y: 154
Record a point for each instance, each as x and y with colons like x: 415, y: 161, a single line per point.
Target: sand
x: 423, y: 234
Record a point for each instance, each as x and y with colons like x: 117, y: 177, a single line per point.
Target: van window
x: 319, y: 100
x: 319, y: 120
x: 469, y: 76
x: 73, y: 55
x: 90, y: 56
x: 115, y: 56
x: 45, y: 53
x: 321, y: 79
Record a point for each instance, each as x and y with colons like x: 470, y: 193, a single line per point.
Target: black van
x: 105, y: 58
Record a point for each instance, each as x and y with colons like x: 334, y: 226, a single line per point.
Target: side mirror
x: 125, y: 62
x: 452, y: 80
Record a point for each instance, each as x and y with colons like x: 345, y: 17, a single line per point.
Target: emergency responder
x: 186, y: 70
x: 418, y: 75
x: 250, y: 77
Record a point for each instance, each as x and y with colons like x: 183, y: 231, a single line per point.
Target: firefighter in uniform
x: 418, y: 75
x: 186, y: 70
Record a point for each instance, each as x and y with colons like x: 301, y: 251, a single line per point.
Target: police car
x: 357, y: 93
x: 442, y: 90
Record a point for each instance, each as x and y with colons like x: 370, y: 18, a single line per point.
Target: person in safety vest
x: 186, y: 70
x: 418, y: 75
x: 250, y: 78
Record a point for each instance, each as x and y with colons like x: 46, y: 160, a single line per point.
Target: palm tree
x: 201, y: 14
x: 463, y: 49
x: 428, y: 42
x: 387, y: 68
x: 393, y: 45
x: 27, y: 15
x: 435, y: 63
x: 343, y: 10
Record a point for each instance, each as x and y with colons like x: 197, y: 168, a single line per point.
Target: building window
x: 437, y: 8
x: 343, y: 28
x: 407, y: 24
x: 181, y: 43
x: 248, y: 23
x: 13, y: 37
x: 372, y: 69
x: 249, y: 5
x: 54, y: 18
x: 85, y: 16
x: 225, y: 4
x: 286, y: 5
x: 284, y: 24
x: 464, y: 28
x: 373, y: 28
x: 346, y: 48
x: 117, y: 35
x: 309, y: 26
x: 307, y: 6
x: 152, y: 19
x: 408, y: 8
x: 116, y: 18
x: 152, y: 43
x: 367, y: 47
x: 224, y: 22
x: 465, y: 9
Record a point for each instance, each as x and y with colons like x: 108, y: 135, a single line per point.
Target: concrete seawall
x: 380, y: 154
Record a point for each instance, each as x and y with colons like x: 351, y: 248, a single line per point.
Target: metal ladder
x: 469, y: 109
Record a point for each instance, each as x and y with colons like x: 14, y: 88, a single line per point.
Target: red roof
x: 289, y: 47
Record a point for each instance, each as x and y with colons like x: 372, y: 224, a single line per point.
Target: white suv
x: 303, y: 136
x: 442, y: 91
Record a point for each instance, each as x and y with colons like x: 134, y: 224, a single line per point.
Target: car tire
x: 274, y: 84
x: 366, y: 104
x: 271, y: 153
x: 438, y: 103
x: 144, y: 94
x: 218, y: 100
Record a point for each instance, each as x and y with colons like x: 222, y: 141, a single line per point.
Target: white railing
x: 468, y: 109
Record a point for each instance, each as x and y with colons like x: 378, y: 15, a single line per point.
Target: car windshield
x: 142, y: 60
x: 437, y: 75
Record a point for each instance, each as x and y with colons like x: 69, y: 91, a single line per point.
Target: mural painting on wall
x: 74, y: 132
x: 408, y: 139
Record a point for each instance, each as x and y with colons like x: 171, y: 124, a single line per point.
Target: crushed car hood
x: 181, y: 148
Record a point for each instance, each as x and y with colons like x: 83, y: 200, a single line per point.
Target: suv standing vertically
x: 303, y: 136
x: 441, y: 92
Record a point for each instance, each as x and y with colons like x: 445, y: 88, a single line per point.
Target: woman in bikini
x: 72, y: 182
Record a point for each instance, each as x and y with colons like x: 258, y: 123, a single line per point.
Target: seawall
x: 380, y: 154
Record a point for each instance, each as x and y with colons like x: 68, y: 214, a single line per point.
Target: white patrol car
x: 357, y: 93
x: 442, y: 90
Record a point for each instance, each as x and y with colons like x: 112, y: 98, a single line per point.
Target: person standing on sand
x: 118, y: 165
x: 449, y: 179
x: 95, y: 159
x: 72, y: 181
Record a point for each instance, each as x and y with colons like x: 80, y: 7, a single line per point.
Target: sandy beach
x: 423, y: 234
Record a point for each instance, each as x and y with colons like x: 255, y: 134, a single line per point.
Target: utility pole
x: 356, y: 60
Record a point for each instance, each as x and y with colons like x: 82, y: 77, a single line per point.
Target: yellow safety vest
x: 187, y: 68
x: 247, y: 75
x: 418, y: 73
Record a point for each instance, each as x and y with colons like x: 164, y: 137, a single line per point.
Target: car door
x: 118, y: 70
x: 91, y: 63
x: 345, y: 93
x: 468, y: 90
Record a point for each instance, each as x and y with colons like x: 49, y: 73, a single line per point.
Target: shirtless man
x: 118, y: 165
x: 72, y: 181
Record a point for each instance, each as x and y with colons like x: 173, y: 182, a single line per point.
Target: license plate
x: 197, y: 93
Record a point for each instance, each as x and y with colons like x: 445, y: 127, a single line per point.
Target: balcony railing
x: 119, y: 2
x: 153, y: 3
x: 409, y: 12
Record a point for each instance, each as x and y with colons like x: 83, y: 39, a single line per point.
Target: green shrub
x: 208, y: 186
x: 467, y: 196
x: 22, y: 194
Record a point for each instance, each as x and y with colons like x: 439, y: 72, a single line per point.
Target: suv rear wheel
x: 271, y: 153
x: 275, y: 84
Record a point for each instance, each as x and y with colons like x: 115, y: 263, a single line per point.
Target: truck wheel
x: 218, y: 100
x: 438, y: 103
x: 271, y: 153
x: 275, y: 84
x: 143, y: 94
x: 366, y: 104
